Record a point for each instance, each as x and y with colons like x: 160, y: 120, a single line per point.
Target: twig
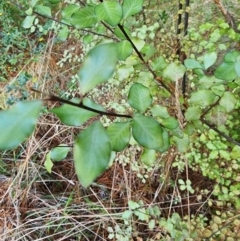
x: 213, y: 127
x: 81, y: 105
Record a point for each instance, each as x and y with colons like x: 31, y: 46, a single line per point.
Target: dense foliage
x: 123, y: 50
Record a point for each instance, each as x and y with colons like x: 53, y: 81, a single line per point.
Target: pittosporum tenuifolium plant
x: 154, y: 128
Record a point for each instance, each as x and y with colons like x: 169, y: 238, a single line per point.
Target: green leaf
x: 29, y: 11
x: 54, y: 1
x: 228, y: 101
x: 28, y: 21
x: 118, y: 32
x: 182, y: 144
x: 139, y: 43
x: 170, y: 123
x: 209, y: 81
x: 189, y: 129
x: 193, y: 113
x: 226, y: 71
x: 68, y: 11
x: 124, y: 49
x: 98, y: 66
x: 218, y: 89
x: 48, y: 163
x: 237, y: 66
x: 148, y: 157
x: 109, y: 11
x: 235, y: 153
x: 84, y: 18
x: 159, y: 64
x: 133, y: 205
x: 33, y: 3
x: 119, y: 135
x: 147, y: 132
x: 192, y: 64
x: 63, y: 33
x: 75, y: 116
x: 174, y: 71
x: 131, y: 7
x: 92, y: 153
x: 59, y: 153
x: 159, y: 111
x: 139, y: 97
x: 209, y: 59
x: 18, y: 123
x: 43, y: 10
x: 141, y: 214
x: 166, y: 141
x: 231, y: 56
x: 177, y: 132
x: 151, y: 224
x: 203, y: 98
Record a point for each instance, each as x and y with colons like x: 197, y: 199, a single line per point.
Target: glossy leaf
x: 43, y: 10
x: 92, y: 153
x: 110, y: 12
x: 131, y: 7
x: 209, y: 59
x: 147, y: 132
x: 228, y: 101
x: 119, y: 135
x: 59, y: 153
x: 139, y: 97
x: 192, y: 64
x: 18, y: 123
x: 98, y: 66
x: 84, y: 18
x: 148, y: 157
x: 124, y: 49
x: 170, y: 123
x: 193, y: 113
x: 75, y: 116
x: 159, y: 111
x: 202, y: 98
x: 174, y: 72
x: 226, y: 71
x: 182, y: 144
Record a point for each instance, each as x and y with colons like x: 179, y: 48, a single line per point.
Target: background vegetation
x: 188, y: 191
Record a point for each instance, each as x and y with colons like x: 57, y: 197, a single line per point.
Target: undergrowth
x: 190, y: 196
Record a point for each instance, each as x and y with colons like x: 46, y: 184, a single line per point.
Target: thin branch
x: 230, y: 19
x: 81, y: 105
x: 213, y: 127
x: 144, y: 62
